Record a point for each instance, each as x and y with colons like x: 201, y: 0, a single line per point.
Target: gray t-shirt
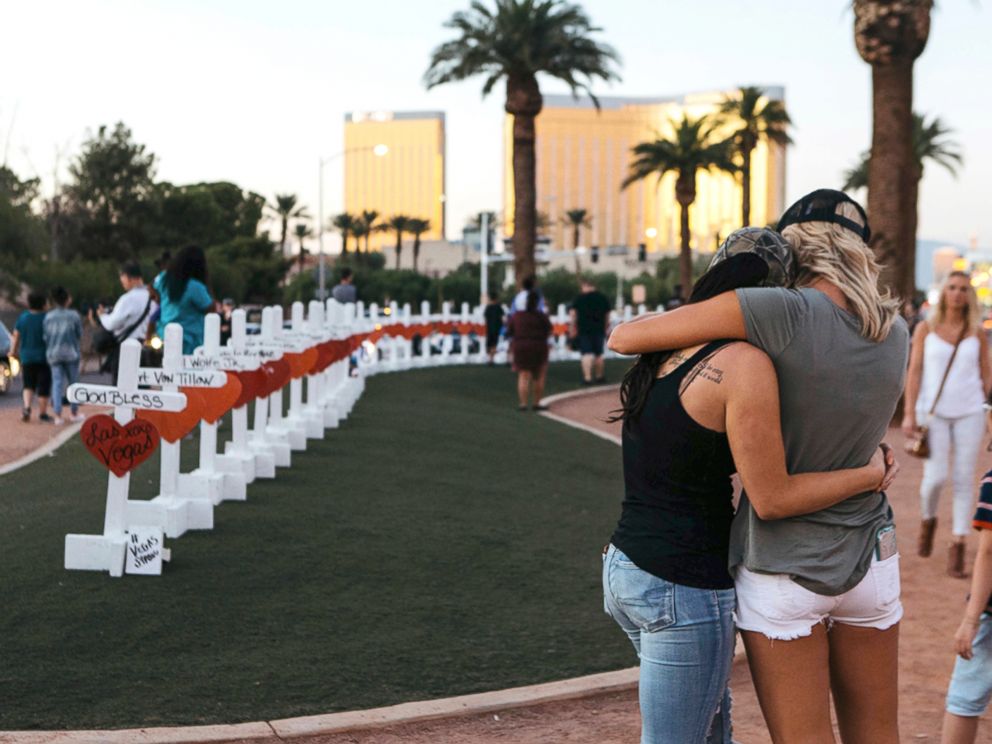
x: 838, y: 393
x: 345, y: 293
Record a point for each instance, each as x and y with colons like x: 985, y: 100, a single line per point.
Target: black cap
x: 821, y: 206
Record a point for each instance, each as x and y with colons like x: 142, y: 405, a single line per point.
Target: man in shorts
x: 494, y: 314
x: 590, y: 315
x: 29, y: 346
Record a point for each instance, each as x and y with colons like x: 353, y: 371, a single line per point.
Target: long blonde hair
x: 972, y: 315
x: 829, y: 251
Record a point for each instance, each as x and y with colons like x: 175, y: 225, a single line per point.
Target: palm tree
x: 286, y: 209
x: 360, y: 229
x: 515, y: 40
x: 577, y: 219
x: 369, y: 216
x: 302, y: 230
x: 418, y: 227
x: 344, y: 223
x: 930, y: 143
x: 890, y: 35
x: 400, y: 223
x: 690, y: 149
x: 752, y: 123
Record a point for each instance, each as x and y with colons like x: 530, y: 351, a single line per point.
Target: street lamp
x: 379, y: 151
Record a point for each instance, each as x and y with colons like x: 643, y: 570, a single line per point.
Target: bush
x: 247, y: 270
x: 89, y: 282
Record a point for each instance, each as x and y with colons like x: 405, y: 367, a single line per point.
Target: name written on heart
x: 119, y: 448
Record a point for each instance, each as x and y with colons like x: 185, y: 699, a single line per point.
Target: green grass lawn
x: 439, y: 543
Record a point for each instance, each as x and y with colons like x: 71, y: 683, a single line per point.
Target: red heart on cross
x: 277, y: 373
x: 252, y: 381
x: 173, y: 426
x: 215, y: 402
x: 119, y: 448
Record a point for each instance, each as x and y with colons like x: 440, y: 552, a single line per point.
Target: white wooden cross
x: 254, y: 455
x: 107, y: 552
x: 279, y: 425
x: 263, y: 439
x: 302, y: 333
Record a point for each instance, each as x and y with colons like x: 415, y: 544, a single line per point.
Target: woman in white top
x: 957, y: 421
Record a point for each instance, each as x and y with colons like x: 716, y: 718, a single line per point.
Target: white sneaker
x: 59, y: 421
x: 76, y: 418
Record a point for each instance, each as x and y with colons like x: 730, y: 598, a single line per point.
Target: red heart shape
x: 175, y: 425
x: 300, y: 363
x: 251, y: 381
x: 277, y: 373
x: 215, y: 402
x: 118, y: 448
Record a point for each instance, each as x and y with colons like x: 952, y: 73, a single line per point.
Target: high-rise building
x: 408, y: 179
x: 583, y: 156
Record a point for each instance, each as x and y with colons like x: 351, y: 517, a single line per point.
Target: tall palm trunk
x: 282, y: 237
x: 524, y: 103
x: 914, y: 217
x: 399, y: 247
x: 890, y: 175
x: 746, y: 150
x: 344, y: 242
x: 416, y: 249
x: 575, y: 247
x: 685, y: 195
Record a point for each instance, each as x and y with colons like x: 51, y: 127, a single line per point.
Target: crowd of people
x: 786, y: 367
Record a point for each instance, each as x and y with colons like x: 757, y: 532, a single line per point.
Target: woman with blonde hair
x: 948, y: 382
x: 817, y: 594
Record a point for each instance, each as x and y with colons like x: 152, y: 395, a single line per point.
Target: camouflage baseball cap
x: 766, y: 243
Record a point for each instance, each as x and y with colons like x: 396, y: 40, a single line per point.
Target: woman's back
x: 838, y: 392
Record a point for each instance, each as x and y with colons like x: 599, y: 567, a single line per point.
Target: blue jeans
x: 64, y: 374
x: 971, y: 683
x: 685, y: 640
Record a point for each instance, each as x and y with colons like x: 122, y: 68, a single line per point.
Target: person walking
x: 493, y: 315
x: 818, y: 594
x: 970, y: 690
x: 63, y: 331
x: 529, y: 331
x: 345, y: 291
x: 691, y: 418
x: 185, y: 298
x: 129, y: 317
x: 590, y: 317
x: 528, y: 285
x: 948, y: 382
x: 28, y: 345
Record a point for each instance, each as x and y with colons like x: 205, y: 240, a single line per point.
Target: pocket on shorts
x: 789, y: 601
x: 648, y: 601
x: 885, y: 575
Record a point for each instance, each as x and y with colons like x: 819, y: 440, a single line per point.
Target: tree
x: 930, y: 143
x: 369, y: 217
x: 22, y: 233
x: 359, y: 229
x: 302, y: 231
x: 514, y: 41
x: 400, y: 223
x: 344, y: 223
x: 110, y: 192
x: 577, y: 219
x: 890, y: 35
x: 417, y: 226
x: 752, y: 123
x: 690, y: 149
x: 286, y: 208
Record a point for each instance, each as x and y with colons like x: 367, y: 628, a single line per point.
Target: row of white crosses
x: 186, y: 501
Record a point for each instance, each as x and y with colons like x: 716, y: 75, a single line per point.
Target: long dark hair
x: 189, y: 263
x: 740, y: 270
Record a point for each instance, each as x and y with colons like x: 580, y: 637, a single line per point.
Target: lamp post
x: 379, y: 151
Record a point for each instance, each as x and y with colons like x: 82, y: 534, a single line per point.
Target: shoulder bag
x: 919, y: 445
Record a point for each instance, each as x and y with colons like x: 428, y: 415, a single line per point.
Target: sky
x: 255, y: 92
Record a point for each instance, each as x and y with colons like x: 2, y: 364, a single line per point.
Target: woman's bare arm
x: 983, y: 358
x: 714, y: 319
x: 755, y: 432
x: 914, y: 377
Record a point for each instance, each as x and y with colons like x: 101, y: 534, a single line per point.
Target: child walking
x: 971, y: 683
x: 29, y: 346
x: 63, y: 329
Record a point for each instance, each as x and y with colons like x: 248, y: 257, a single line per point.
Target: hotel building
x: 583, y: 156
x: 408, y: 179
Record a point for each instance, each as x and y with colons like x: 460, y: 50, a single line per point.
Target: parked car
x: 9, y: 367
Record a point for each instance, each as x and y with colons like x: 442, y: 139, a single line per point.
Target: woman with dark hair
x: 691, y: 419
x: 529, y: 330
x: 184, y: 297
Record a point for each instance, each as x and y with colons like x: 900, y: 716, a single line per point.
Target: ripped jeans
x: 685, y: 640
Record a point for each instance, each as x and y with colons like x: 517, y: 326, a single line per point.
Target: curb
x: 335, y: 723
x: 575, y: 424
x: 49, y: 447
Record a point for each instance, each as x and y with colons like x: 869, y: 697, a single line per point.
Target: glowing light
x: 387, y: 311
x: 15, y: 366
x: 960, y: 264
x: 378, y: 326
x: 380, y: 150
x: 155, y: 343
x: 651, y: 232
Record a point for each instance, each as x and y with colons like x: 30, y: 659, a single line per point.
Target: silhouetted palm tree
x: 359, y: 230
x: 287, y: 208
x: 577, y: 219
x: 344, y: 223
x: 890, y: 35
x: 930, y: 143
x: 400, y: 223
x: 369, y: 216
x: 753, y: 122
x: 302, y: 231
x: 417, y: 227
x: 516, y: 40
x: 690, y: 149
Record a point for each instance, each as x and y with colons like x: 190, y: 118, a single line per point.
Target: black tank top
x: 675, y: 521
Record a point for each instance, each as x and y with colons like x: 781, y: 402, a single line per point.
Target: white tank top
x: 962, y: 394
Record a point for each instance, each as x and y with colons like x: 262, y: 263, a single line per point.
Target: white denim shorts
x: 779, y: 608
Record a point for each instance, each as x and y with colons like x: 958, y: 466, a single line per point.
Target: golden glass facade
x: 583, y: 156
x: 408, y: 179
